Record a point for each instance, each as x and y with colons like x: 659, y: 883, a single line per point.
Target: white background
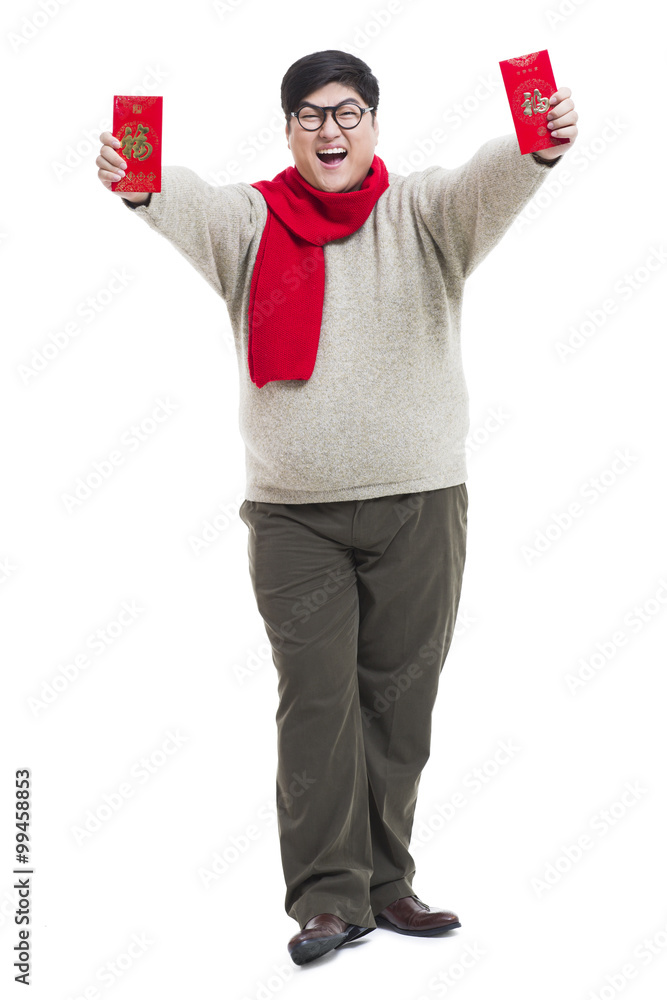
x: 195, y: 659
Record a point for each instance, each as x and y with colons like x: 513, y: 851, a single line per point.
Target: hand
x: 562, y: 122
x: 111, y: 169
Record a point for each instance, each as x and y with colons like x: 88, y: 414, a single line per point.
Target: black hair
x: 330, y: 66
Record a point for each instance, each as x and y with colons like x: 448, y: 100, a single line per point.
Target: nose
x: 329, y: 121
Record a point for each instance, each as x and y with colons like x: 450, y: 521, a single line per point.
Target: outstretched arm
x: 468, y: 209
x: 211, y: 226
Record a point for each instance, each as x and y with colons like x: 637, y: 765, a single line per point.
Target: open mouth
x: 332, y: 156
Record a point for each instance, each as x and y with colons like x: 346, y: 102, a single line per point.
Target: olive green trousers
x: 359, y: 600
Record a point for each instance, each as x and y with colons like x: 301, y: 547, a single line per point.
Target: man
x: 344, y: 284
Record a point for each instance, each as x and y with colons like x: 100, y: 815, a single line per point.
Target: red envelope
x: 137, y: 124
x: 529, y: 82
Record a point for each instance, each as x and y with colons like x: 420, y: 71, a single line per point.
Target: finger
x: 110, y: 164
x: 561, y: 94
x: 571, y: 118
x: 111, y: 158
x: 110, y: 142
x: 109, y: 168
x: 569, y: 132
x: 108, y: 177
x: 561, y: 109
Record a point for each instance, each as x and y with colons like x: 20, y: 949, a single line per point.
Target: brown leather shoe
x: 410, y: 915
x: 323, y: 933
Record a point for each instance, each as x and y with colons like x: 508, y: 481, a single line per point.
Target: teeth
x: 336, y: 149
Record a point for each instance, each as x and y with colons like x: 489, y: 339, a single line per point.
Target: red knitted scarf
x: 287, y: 287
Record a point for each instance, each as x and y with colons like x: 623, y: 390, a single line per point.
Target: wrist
x: 545, y: 162
x: 135, y: 200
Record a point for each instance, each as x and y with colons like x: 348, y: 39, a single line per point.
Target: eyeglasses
x: 311, y: 117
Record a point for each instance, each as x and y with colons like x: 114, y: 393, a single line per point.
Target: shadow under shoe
x: 323, y: 933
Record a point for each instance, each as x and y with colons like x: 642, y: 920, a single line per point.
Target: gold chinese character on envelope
x: 534, y: 103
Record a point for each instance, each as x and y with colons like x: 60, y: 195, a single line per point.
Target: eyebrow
x: 347, y: 100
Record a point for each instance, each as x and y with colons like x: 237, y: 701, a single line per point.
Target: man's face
x: 359, y: 143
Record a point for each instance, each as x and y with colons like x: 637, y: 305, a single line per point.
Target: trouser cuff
x: 388, y: 893
x: 311, y: 904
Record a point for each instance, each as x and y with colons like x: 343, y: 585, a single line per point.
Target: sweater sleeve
x: 211, y: 226
x: 468, y: 209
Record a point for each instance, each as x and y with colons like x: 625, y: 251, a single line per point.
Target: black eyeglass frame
x: 332, y: 108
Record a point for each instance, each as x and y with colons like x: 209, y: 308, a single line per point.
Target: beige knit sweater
x: 386, y: 408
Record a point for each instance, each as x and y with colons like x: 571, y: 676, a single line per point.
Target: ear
x: 287, y: 134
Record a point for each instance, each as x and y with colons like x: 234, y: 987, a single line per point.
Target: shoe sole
x: 307, y: 951
x: 427, y: 932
